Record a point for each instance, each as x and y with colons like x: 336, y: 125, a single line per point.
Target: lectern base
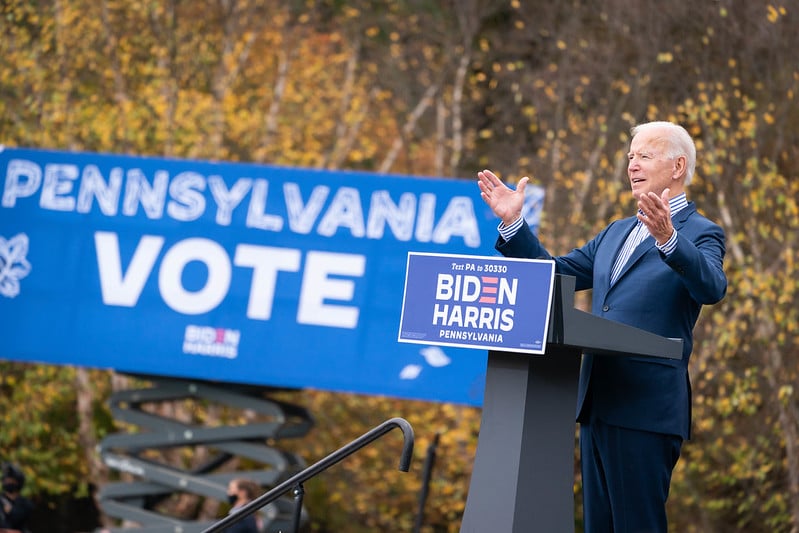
x: 523, y: 475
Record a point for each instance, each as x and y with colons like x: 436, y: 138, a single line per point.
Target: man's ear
x: 680, y: 165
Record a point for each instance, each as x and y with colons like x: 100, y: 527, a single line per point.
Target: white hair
x: 679, y: 143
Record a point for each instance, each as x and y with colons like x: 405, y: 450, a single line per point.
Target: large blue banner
x: 228, y: 271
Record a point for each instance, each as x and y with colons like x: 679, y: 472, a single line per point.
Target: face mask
x: 10, y: 487
x: 231, y: 498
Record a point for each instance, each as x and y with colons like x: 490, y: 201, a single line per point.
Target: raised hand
x: 656, y: 215
x: 505, y: 202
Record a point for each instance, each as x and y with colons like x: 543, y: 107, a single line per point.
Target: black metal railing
x: 295, y: 482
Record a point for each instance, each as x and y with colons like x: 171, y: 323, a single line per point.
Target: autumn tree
x: 545, y: 89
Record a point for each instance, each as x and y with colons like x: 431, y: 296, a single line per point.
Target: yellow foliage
x: 665, y: 57
x: 133, y: 80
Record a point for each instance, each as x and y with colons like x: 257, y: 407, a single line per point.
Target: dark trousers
x: 626, y: 477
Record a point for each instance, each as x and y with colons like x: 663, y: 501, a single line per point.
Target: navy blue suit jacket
x: 654, y: 293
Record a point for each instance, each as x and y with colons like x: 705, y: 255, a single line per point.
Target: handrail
x: 335, y: 457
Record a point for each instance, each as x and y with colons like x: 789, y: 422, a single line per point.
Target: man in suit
x: 653, y: 271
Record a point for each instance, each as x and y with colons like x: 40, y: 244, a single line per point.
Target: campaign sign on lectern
x: 493, y: 303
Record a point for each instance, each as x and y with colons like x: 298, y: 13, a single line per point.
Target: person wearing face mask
x: 654, y: 271
x: 240, y: 492
x: 15, y: 509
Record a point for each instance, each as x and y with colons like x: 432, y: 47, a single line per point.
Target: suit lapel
x: 680, y: 218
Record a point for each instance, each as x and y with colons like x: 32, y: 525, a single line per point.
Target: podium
x: 523, y: 474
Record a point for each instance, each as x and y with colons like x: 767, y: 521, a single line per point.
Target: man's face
x: 648, y: 167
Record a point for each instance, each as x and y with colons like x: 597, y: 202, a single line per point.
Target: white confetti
x: 411, y: 372
x: 435, y: 356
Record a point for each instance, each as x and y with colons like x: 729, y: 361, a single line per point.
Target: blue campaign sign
x: 228, y: 271
x: 492, y: 303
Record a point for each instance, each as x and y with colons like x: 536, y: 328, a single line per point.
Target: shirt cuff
x: 507, y: 232
x: 668, y: 247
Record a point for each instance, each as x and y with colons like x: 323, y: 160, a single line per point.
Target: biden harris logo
x: 474, y: 307
x: 212, y: 342
x: 13, y: 264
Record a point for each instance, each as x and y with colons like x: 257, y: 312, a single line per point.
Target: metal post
x: 426, y: 474
x: 299, y: 492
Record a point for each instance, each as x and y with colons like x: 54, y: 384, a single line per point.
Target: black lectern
x: 523, y: 474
